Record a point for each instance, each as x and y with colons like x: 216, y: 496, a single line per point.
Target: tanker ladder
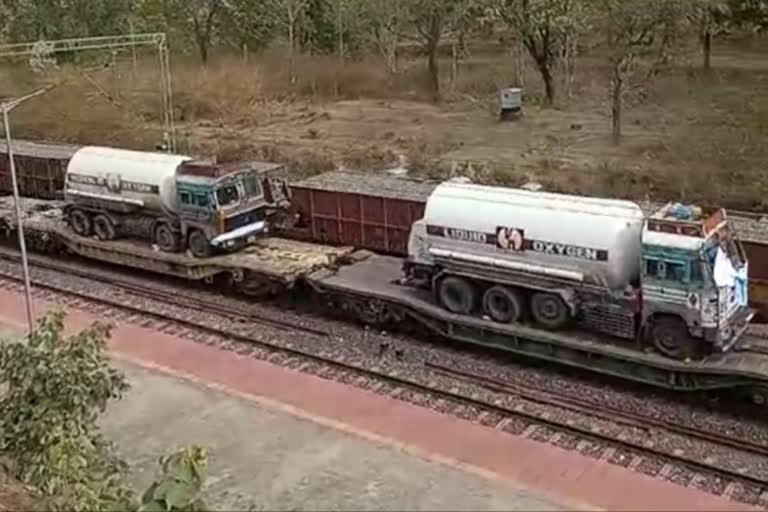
x: 369, y: 289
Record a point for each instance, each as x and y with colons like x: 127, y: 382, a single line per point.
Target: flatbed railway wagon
x: 368, y: 287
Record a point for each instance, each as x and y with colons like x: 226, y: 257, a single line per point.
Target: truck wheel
x: 198, y: 244
x: 549, y: 310
x: 103, y: 227
x: 502, y: 304
x: 457, y: 295
x: 80, y: 222
x: 165, y: 238
x: 671, y: 338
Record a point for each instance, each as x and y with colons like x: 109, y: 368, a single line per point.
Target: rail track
x: 436, y: 387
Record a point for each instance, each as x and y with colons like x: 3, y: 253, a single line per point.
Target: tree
x: 432, y: 20
x: 387, y: 22
x: 545, y: 28
x: 288, y: 15
x: 179, y: 488
x: 56, y: 386
x: 749, y: 14
x: 32, y: 20
x: 633, y: 30
x: 248, y: 24
x: 710, y: 17
x: 196, y: 17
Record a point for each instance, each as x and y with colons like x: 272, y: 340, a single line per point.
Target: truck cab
x: 694, y: 281
x: 226, y: 206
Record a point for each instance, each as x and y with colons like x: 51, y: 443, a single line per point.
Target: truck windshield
x: 227, y: 196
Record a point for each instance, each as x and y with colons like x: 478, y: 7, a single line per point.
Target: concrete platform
x: 287, y: 440
x: 266, y: 459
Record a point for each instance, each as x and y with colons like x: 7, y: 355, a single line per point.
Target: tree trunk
x: 549, y: 82
x: 291, y: 49
x: 202, y: 44
x: 617, y: 86
x: 392, y: 57
x: 434, y: 70
x: 569, y: 67
x: 454, y: 65
x: 518, y: 55
x: 706, y: 46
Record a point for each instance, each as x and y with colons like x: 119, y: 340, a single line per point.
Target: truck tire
x: 165, y: 238
x: 103, y: 227
x: 671, y: 337
x: 198, y: 244
x: 549, y: 310
x: 457, y: 295
x: 80, y: 222
x: 502, y: 304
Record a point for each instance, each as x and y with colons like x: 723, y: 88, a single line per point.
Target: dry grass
x: 690, y: 135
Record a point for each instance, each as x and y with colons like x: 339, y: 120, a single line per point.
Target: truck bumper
x: 725, y: 337
x: 240, y: 236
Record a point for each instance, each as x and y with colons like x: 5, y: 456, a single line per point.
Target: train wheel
x: 457, y: 295
x: 549, y: 310
x: 103, y: 227
x: 198, y: 244
x: 165, y: 238
x: 671, y: 337
x: 80, y: 222
x: 502, y: 304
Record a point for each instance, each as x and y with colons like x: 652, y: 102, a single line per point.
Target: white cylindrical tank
x: 587, y: 239
x: 130, y: 178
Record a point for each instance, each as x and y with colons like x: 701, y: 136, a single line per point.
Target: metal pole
x: 20, y: 227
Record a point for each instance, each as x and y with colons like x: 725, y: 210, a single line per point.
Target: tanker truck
x: 174, y: 201
x: 675, y: 278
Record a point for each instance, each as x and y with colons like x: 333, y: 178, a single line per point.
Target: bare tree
x: 432, y: 20
x: 202, y: 16
x: 288, y: 14
x: 387, y: 22
x: 710, y: 17
x: 546, y: 29
x: 634, y: 30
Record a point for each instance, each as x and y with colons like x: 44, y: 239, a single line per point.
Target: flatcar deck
x: 277, y: 259
x: 376, y: 276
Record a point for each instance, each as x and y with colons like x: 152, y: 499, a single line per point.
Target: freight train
x: 627, y: 270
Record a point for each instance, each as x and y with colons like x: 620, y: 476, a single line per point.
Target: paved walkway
x: 297, y: 441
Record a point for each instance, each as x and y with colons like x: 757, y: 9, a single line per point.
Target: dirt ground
x: 14, y: 496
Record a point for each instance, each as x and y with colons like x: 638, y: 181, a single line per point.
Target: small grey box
x: 511, y: 101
